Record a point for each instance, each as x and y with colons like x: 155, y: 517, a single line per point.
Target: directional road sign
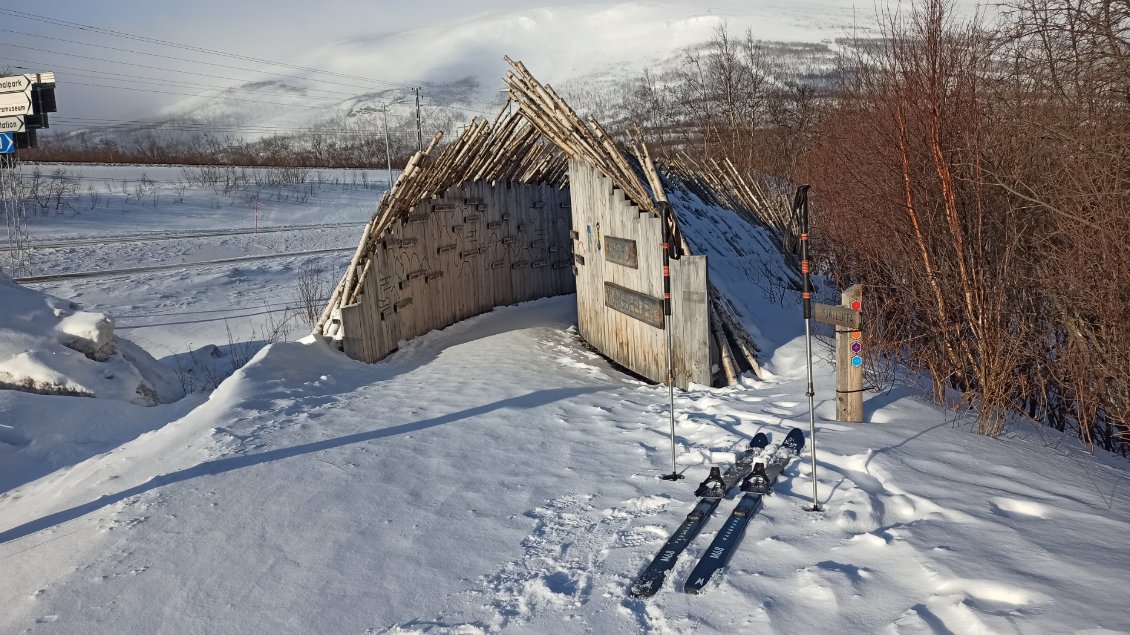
x: 16, y: 83
x: 15, y: 104
x: 7, y: 143
x: 11, y: 124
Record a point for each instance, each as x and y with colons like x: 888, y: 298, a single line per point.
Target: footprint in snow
x: 562, y: 556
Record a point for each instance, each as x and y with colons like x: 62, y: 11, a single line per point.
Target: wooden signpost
x: 848, y: 321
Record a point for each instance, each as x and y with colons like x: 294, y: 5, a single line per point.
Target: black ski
x: 758, y: 483
x: 711, y: 492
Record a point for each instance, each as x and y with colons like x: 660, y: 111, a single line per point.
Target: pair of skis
x: 757, y: 468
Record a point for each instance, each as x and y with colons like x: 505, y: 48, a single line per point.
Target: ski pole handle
x: 800, y: 210
x: 666, y: 218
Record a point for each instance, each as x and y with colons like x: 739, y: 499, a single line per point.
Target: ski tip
x: 759, y: 440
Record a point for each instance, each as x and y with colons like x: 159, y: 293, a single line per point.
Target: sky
x: 109, y: 77
x: 279, y: 30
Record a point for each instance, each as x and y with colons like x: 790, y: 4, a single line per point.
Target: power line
x: 253, y: 101
x: 459, y: 108
x: 130, y: 36
x: 167, y: 70
x: 133, y: 52
x: 310, y: 132
x: 173, y: 81
x: 165, y: 92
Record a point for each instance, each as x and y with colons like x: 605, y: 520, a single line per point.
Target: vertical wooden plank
x: 519, y: 230
x: 385, y: 290
x: 411, y: 311
x: 690, y: 321
x: 465, y: 272
x: 431, y: 285
x: 578, y: 198
x: 484, y: 299
x: 452, y: 265
x: 564, y: 261
x: 497, y: 257
x: 371, y: 301
x: 353, y: 332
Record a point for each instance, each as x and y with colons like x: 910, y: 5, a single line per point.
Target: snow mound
x: 51, y: 346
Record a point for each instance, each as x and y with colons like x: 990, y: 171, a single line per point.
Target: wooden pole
x: 849, y: 362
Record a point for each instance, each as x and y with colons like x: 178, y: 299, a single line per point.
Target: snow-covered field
x: 498, y: 476
x: 137, y: 217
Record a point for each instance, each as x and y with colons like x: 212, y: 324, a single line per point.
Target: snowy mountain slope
x: 498, y: 477
x: 456, y: 57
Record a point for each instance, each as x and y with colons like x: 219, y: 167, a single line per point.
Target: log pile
x: 549, y: 113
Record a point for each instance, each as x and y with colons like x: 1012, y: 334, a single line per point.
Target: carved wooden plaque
x: 641, y: 306
x: 621, y: 251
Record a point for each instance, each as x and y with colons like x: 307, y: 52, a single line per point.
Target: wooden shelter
x: 542, y: 203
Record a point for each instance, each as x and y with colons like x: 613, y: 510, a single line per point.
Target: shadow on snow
x: 220, y: 466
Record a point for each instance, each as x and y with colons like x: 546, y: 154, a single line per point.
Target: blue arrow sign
x: 7, y: 143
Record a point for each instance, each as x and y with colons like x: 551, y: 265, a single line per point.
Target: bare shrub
x: 975, y: 182
x: 312, y: 293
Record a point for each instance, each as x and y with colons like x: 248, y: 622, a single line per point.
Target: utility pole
x: 419, y: 124
x: 388, y: 152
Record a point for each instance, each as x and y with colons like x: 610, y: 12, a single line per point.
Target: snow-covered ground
x: 498, y: 476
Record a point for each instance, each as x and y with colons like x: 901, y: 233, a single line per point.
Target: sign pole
x: 849, y: 359
x: 800, y: 207
x: 848, y: 319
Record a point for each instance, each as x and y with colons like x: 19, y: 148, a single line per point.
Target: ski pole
x: 800, y: 208
x: 665, y: 216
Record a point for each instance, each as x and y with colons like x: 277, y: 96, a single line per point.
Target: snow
x: 497, y: 476
x: 48, y: 345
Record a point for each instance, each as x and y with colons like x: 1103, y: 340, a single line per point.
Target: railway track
x: 155, y: 236
x: 180, y: 265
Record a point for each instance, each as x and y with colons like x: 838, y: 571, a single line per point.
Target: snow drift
x: 51, y: 346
